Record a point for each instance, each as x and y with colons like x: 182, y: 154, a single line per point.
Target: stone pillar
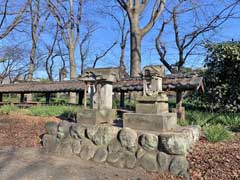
x: 48, y: 96
x: 22, y: 98
x: 29, y: 97
x: 102, y: 97
x: 80, y: 97
x: 179, y: 108
x: 1, y: 97
x: 93, y: 99
x: 85, y: 96
x: 156, y: 84
x: 122, y: 98
x: 72, y: 98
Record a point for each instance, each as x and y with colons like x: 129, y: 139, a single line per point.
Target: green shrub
x: 200, y: 118
x: 231, y: 121
x: 6, y: 109
x: 130, y: 104
x: 217, y: 133
x: 222, y: 76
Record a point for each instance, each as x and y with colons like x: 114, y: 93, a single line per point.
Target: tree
x: 223, y: 69
x: 188, y: 40
x: 120, y: 16
x: 5, y: 28
x: 13, y: 64
x: 135, y: 9
x: 39, y: 18
x: 69, y: 23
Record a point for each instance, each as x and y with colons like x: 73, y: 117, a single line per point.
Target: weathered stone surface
x: 76, y: 146
x: 150, y: 122
x: 77, y: 131
x: 163, y: 160
x: 176, y: 143
x: 149, y: 162
x: 179, y: 165
x: 63, y: 129
x: 120, y: 163
x: 50, y: 143
x: 129, y: 139
x: 114, y: 146
x: 149, y: 142
x: 95, y: 116
x: 65, y: 147
x: 114, y: 157
x: 104, y: 135
x: 155, y: 108
x: 101, y: 155
x: 88, y: 150
x: 91, y: 131
x: 130, y: 161
x: 51, y: 128
x: 196, y: 132
x: 140, y: 152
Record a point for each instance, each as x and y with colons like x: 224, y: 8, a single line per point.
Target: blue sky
x: 107, y: 33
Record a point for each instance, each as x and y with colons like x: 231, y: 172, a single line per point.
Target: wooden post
x: 48, y: 95
x: 122, y: 98
x: 80, y: 97
x: 1, y: 97
x: 22, y: 98
x: 179, y: 109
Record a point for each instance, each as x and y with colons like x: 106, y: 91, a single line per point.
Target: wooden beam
x: 122, y: 99
x: 80, y: 97
x: 22, y: 98
x: 48, y: 96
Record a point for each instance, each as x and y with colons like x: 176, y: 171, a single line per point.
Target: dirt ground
x: 21, y: 157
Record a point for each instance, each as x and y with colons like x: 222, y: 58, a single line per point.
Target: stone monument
x: 152, y: 112
x: 99, y: 87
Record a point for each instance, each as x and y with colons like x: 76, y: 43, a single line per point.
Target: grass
x: 217, y: 133
x: 45, y: 111
x: 7, y: 109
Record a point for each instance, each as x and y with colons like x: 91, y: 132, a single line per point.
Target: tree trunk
x: 73, y: 95
x: 135, y: 43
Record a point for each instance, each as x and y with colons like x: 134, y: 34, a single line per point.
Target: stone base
x: 150, y: 122
x: 123, y: 147
x: 157, y: 108
x: 95, y: 116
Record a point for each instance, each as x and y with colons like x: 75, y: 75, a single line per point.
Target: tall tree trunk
x: 31, y: 64
x: 135, y: 43
x: 73, y: 96
x: 31, y: 69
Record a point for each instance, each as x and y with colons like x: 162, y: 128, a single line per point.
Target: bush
x: 231, y: 121
x: 222, y: 77
x: 217, y: 133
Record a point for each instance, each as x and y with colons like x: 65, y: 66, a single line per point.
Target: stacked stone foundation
x: 123, y: 147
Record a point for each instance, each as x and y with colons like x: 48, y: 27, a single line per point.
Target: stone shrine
x: 152, y: 112
x: 99, y: 88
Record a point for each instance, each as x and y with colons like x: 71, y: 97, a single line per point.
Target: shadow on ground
x: 32, y: 164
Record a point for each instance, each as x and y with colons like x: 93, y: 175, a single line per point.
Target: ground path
x: 33, y: 164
